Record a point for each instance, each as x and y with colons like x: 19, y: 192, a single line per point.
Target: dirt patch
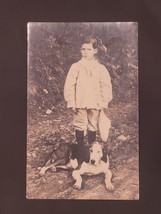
x: 48, y: 130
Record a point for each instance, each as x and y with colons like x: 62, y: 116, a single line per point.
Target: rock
x: 48, y: 111
x: 46, y: 91
x: 34, y: 154
x: 60, y: 182
x: 122, y: 138
x: 63, y: 138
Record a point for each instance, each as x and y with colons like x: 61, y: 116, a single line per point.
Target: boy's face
x: 88, y: 51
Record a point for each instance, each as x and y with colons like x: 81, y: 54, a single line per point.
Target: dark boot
x: 91, y: 136
x: 79, y: 137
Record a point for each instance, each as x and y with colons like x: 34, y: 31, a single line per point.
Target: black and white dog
x: 83, y: 160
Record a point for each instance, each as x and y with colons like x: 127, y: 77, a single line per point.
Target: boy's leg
x: 91, y: 136
x: 79, y: 136
x: 80, y: 123
x: 93, y: 116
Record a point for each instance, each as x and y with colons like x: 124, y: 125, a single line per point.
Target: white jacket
x: 88, y: 85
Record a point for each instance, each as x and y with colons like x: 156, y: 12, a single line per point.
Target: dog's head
x: 97, y: 153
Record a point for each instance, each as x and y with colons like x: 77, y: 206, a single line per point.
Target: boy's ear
x: 96, y: 50
x: 87, y: 156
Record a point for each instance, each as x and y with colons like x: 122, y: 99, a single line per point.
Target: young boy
x: 87, y: 90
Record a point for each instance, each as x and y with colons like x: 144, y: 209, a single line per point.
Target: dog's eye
x: 98, y: 152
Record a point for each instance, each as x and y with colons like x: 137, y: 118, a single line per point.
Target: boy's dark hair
x: 96, y: 42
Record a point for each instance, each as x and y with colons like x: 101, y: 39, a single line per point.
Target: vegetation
x: 53, y: 47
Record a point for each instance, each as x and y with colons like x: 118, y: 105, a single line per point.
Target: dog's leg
x: 77, y: 176
x: 45, y: 168
x: 108, y: 177
x: 73, y: 163
x: 51, y: 166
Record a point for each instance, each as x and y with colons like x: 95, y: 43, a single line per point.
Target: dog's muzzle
x: 93, y: 162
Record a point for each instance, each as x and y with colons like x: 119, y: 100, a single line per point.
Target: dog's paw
x: 47, y: 170
x: 110, y: 187
x: 77, y: 185
x: 53, y: 169
x: 42, y: 171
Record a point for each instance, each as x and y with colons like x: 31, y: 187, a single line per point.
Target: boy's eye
x: 84, y: 49
x: 90, y: 150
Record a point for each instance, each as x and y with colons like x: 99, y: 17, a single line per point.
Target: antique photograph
x: 82, y: 111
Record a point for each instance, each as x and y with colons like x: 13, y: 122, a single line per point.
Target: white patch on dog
x: 94, y: 167
x: 96, y: 154
x: 74, y: 163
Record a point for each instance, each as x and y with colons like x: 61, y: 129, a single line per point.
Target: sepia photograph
x: 82, y: 111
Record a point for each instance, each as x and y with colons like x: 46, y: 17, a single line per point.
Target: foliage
x: 53, y: 47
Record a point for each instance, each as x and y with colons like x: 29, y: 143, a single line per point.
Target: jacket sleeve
x: 70, y: 85
x: 105, y: 87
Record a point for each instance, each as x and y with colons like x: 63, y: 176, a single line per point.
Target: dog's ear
x: 104, y: 157
x: 87, y: 155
